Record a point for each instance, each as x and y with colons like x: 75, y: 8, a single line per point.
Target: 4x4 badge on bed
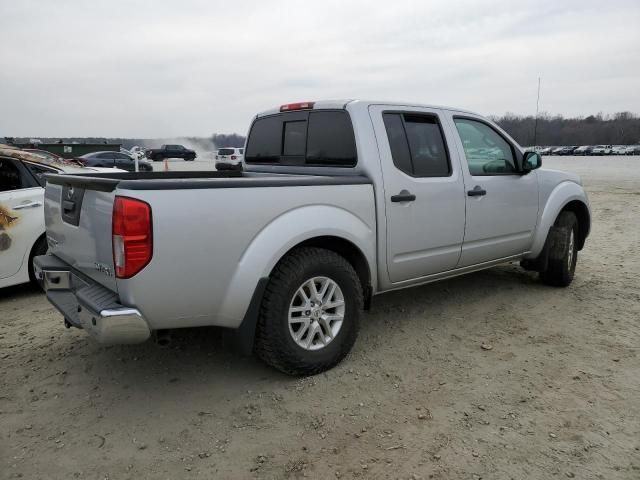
x: 104, y: 269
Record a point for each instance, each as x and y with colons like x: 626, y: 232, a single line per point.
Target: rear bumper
x: 88, y: 305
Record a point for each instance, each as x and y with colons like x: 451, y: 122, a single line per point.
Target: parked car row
x: 590, y: 150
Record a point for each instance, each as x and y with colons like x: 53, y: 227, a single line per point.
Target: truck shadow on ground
x: 205, y: 356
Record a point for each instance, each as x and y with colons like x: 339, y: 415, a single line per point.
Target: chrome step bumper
x: 88, y: 305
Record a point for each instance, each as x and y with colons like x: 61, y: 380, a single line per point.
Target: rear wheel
x: 310, y: 313
x: 40, y: 248
x: 563, y: 251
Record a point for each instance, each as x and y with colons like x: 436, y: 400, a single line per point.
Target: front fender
x: 281, y: 235
x: 561, y: 195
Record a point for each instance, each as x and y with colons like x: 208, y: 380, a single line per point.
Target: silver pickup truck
x: 337, y: 201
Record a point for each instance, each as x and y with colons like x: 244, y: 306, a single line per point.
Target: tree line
x: 621, y: 128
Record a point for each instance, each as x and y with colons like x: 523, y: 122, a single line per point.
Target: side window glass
x: 39, y: 171
x: 398, y: 142
x: 10, y: 176
x: 426, y: 144
x: 417, y: 144
x: 486, y: 151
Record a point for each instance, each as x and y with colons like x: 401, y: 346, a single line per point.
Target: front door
x: 424, y: 192
x: 502, y: 203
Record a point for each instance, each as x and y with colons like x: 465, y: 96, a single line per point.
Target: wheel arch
x: 569, y: 196
x: 32, y: 251
x: 350, y: 252
x: 340, y: 230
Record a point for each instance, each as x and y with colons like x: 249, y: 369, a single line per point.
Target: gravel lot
x: 555, y: 392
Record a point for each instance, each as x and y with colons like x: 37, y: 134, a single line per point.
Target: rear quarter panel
x: 211, y: 246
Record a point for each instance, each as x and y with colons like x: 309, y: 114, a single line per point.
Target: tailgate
x: 78, y: 220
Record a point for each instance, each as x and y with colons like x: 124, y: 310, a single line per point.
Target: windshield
x: 226, y: 151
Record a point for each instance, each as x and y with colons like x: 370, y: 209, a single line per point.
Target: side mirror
x: 531, y: 161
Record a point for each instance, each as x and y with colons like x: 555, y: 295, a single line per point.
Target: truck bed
x: 216, y: 234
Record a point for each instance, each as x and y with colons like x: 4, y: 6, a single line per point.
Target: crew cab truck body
x: 338, y: 201
x: 170, y: 151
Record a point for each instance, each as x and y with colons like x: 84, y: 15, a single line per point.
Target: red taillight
x: 297, y: 106
x: 132, y: 236
x: 233, y: 157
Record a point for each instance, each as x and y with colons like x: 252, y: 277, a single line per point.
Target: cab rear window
x: 316, y: 138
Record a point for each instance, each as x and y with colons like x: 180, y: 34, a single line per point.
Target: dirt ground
x: 555, y: 393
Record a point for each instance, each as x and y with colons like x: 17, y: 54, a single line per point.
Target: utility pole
x: 535, y: 126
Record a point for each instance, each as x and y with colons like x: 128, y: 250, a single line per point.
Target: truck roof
x: 342, y: 103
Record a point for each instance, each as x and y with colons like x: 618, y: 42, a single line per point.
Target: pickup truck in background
x: 338, y: 201
x: 170, y: 151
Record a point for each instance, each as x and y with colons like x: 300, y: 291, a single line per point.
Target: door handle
x: 27, y: 205
x: 403, y: 196
x: 477, y: 191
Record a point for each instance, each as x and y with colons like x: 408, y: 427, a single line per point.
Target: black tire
x: 563, y: 253
x: 158, y: 158
x: 274, y: 343
x: 39, y: 248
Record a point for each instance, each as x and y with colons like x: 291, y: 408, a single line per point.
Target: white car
x: 137, y: 152
x: 632, y: 150
x: 229, y: 158
x: 582, y: 150
x: 601, y: 150
x: 619, y: 150
x: 22, y: 229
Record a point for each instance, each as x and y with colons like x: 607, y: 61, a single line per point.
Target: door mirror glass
x: 531, y: 161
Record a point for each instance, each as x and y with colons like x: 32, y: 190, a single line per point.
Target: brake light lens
x: 132, y: 236
x: 297, y: 106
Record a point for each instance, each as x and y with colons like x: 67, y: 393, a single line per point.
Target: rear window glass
x: 321, y: 138
x: 295, y: 138
x: 225, y: 151
x: 330, y: 140
x: 265, y: 141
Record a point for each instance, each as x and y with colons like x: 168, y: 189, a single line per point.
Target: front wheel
x: 310, y: 313
x: 563, y: 251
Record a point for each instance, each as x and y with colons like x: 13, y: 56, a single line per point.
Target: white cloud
x: 157, y: 69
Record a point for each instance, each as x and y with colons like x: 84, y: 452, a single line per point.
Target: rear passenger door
x: 424, y: 192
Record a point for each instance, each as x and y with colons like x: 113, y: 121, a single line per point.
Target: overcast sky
x: 171, y: 68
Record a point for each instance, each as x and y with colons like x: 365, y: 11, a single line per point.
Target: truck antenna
x: 535, y: 126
